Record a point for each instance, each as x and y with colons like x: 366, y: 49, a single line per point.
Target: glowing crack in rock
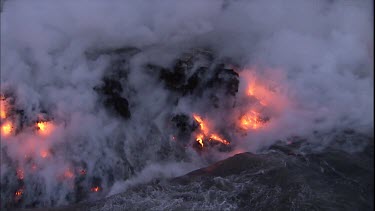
x: 7, y: 128
x: 205, y: 132
x: 44, y: 128
x: 219, y: 139
x: 3, y: 109
x: 200, y: 121
x: 18, y: 194
x: 200, y: 139
x: 95, y: 189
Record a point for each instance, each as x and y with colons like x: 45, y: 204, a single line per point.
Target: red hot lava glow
x: 18, y: 194
x: 6, y: 128
x: 44, y: 128
x: 95, y: 189
x: 205, y: 133
x: 249, y: 118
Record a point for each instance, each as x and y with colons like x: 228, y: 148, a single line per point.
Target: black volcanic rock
x: 184, y: 125
x: 178, y: 80
x: 110, y: 93
x: 174, y: 80
x: 196, y: 72
x: 110, y: 87
x: 331, y: 179
x: 110, y: 90
x: 119, y: 104
x: 226, y: 78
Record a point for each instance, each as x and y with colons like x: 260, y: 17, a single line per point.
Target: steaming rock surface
x: 284, y: 177
x: 117, y: 86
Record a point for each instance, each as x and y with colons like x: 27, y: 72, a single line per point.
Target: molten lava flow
x: 44, y: 128
x: 217, y: 138
x: 200, y: 121
x: 251, y: 89
x: 3, y: 108
x: 95, y: 189
x: 259, y: 93
x: 265, y: 94
x: 18, y: 194
x: 251, y: 120
x: 199, y: 139
x: 205, y: 132
x: 7, y: 128
x: 268, y: 89
x: 3, y: 113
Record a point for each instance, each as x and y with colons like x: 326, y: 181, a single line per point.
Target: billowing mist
x: 98, y: 95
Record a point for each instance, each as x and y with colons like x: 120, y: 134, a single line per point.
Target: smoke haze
x: 311, y: 61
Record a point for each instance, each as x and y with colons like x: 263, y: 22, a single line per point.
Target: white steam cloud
x: 317, y: 56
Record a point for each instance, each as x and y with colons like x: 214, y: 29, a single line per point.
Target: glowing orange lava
x: 251, y: 90
x: 217, y: 138
x: 267, y: 94
x: 7, y: 128
x: 267, y: 89
x: 200, y: 121
x: 205, y: 132
x: 251, y: 120
x: 18, y: 194
x: 3, y: 109
x: 199, y: 139
x: 260, y: 93
x: 44, y: 128
x: 3, y: 113
x: 95, y: 189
